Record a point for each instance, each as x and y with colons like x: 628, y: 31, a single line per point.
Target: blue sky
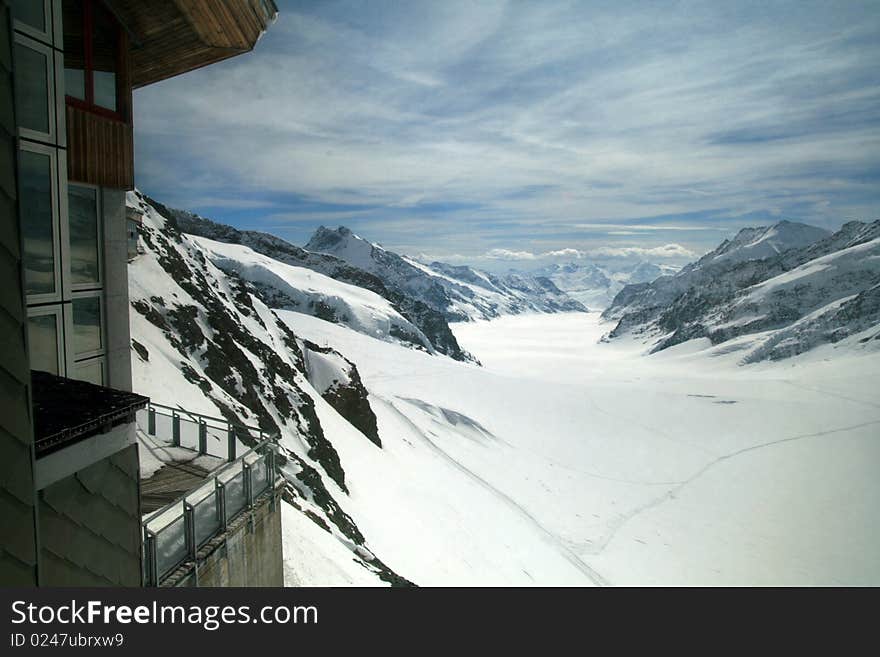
x: 512, y: 133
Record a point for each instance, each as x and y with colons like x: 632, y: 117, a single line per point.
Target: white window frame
x: 51, y: 101
x: 60, y: 104
x: 58, y: 311
x: 100, y: 360
x: 99, y: 237
x: 52, y: 153
x: 98, y: 294
x: 49, y: 27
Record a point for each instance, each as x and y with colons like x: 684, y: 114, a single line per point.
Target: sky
x: 510, y: 134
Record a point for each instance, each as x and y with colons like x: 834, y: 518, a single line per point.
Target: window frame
x: 88, y: 104
x: 57, y: 236
x: 30, y: 30
x: 51, y: 104
x: 88, y: 355
x: 91, y: 285
x: 100, y: 360
x: 58, y: 311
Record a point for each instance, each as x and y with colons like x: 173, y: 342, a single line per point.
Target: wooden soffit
x: 170, y: 37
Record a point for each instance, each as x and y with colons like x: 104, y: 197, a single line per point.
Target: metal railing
x: 201, y: 433
x: 174, y: 534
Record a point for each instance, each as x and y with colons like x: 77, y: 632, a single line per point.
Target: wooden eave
x: 170, y: 37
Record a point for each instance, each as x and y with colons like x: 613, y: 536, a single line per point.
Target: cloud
x: 507, y: 254
x: 518, y: 123
x: 665, y: 251
x: 564, y: 253
x: 617, y: 229
x: 676, y: 251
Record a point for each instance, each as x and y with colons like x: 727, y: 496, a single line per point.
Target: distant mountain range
x: 595, y: 286
x: 425, y: 298
x: 770, y: 292
x: 459, y: 293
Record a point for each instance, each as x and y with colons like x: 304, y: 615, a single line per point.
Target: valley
x: 568, y: 461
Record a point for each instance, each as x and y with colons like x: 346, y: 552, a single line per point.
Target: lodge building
x: 70, y: 502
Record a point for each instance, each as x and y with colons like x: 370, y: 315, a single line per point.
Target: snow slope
x: 563, y: 461
x: 567, y: 461
x: 303, y: 289
x: 429, y: 321
x: 204, y: 341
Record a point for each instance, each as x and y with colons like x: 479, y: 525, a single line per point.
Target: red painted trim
x: 94, y: 109
x: 88, y: 105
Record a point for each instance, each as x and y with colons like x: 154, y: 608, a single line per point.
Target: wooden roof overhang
x: 170, y: 37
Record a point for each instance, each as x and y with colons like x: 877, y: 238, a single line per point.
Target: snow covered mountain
x: 430, y: 323
x: 203, y: 338
x: 770, y: 293
x: 459, y: 293
x: 595, y: 286
x: 405, y: 466
x: 764, y: 242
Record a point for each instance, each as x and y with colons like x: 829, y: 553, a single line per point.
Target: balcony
x: 217, y: 492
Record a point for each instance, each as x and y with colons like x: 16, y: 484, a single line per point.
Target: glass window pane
x: 74, y: 50
x: 86, y: 325
x: 35, y: 176
x: 31, y: 12
x: 105, y: 89
x: 83, y: 217
x: 31, y: 88
x: 75, y: 83
x: 105, y: 56
x: 43, y: 343
x: 91, y: 371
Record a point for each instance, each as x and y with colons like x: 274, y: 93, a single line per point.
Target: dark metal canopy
x: 67, y: 411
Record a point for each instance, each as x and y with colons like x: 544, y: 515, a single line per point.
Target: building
x: 69, y: 476
x: 133, y: 220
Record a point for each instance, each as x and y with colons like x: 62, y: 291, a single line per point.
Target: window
x: 87, y: 326
x: 37, y: 204
x: 44, y: 339
x: 92, y: 50
x: 32, y: 16
x: 85, y: 236
x: 91, y: 371
x: 87, y: 310
x: 34, y: 89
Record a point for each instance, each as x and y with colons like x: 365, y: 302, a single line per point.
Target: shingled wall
x: 18, y: 550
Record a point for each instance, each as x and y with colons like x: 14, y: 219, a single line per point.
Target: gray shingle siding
x: 90, y: 525
x: 18, y: 548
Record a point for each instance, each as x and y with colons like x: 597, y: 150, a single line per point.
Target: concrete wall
x: 118, y: 352
x: 249, y: 554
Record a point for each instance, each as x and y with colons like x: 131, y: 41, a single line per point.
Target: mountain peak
x: 756, y: 243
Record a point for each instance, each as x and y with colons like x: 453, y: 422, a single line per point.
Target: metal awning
x: 67, y: 411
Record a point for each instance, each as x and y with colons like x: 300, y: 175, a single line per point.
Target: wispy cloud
x: 507, y: 254
x: 527, y: 126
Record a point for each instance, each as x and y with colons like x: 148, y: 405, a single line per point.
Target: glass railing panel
x: 170, y: 546
x: 206, y: 519
x: 259, y: 476
x: 163, y: 426
x: 236, y: 499
x: 189, y: 433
